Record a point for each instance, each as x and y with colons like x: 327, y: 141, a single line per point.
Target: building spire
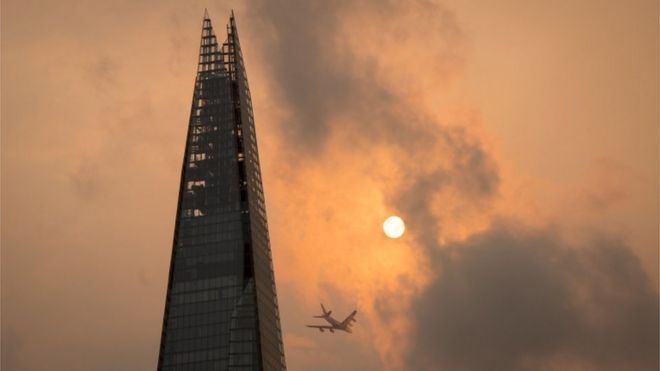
x: 216, y: 56
x: 209, y: 58
x: 221, y: 243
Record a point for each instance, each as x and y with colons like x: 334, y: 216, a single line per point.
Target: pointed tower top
x: 231, y: 27
x: 206, y: 14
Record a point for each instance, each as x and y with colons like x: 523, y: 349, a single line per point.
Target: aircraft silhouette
x: 344, y: 325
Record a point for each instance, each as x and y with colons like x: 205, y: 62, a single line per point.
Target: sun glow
x: 394, y: 227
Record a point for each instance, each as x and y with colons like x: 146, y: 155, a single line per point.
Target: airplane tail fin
x: 325, y: 313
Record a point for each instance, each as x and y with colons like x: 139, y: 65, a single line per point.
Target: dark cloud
x: 508, y: 300
x: 310, y: 74
x: 469, y: 171
x: 317, y: 75
x: 326, y: 87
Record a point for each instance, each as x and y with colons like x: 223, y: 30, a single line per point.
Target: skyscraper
x: 221, y: 307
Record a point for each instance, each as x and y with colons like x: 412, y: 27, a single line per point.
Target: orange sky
x: 537, y: 122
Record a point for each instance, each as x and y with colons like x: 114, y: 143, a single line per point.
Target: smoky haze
x: 507, y: 298
x: 521, y: 152
x: 524, y: 300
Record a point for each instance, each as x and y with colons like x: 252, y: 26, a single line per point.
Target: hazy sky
x: 517, y: 139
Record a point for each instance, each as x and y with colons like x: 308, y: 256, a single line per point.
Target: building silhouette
x: 221, y: 308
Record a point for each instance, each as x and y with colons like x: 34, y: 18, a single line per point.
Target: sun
x: 394, y: 227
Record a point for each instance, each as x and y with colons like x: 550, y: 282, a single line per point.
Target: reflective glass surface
x: 221, y: 306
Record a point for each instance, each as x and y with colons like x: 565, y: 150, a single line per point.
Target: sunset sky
x: 517, y: 139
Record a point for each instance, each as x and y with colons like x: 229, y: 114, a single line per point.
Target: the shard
x: 221, y: 308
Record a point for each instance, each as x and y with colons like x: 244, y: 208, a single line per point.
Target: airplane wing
x: 349, y: 319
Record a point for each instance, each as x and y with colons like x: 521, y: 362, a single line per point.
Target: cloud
x: 351, y: 99
x: 309, y: 75
x: 330, y: 64
x: 511, y: 300
x: 362, y: 138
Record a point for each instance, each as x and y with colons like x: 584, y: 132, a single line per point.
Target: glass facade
x: 221, y: 308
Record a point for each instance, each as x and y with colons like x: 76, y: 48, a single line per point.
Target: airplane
x: 344, y: 325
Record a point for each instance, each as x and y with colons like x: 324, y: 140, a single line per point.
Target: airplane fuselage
x: 336, y: 324
x: 344, y: 325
